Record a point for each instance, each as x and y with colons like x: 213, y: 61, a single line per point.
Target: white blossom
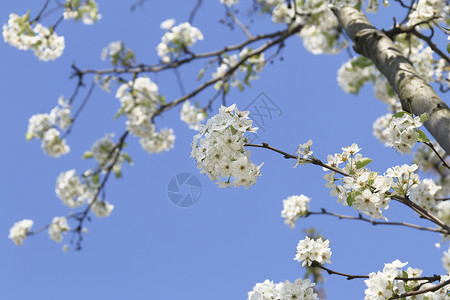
x: 102, y: 208
x: 19, y: 231
x: 294, y: 207
x: 70, y: 190
x: 229, y: 3
x: 87, y: 11
x: 299, y: 289
x: 176, y: 40
x: 57, y: 228
x: 219, y: 151
x: 310, y: 250
x: 192, y: 115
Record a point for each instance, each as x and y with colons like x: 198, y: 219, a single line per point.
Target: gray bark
x: 405, y: 80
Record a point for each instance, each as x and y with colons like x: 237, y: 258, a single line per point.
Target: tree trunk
x: 412, y: 90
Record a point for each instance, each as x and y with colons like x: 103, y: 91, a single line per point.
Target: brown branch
x: 194, y: 11
x: 419, y: 292
x: 444, y: 163
x: 361, y: 218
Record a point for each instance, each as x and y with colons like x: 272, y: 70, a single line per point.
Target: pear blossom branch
x: 261, y: 49
x: 417, y: 208
x: 361, y: 218
x: 351, y: 277
x: 419, y: 292
x: 81, y: 216
x: 141, y: 68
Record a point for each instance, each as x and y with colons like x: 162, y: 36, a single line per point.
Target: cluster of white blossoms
x: 403, y: 131
x: 304, y: 152
x: 294, y: 207
x: 354, y: 73
x: 19, y: 231
x: 176, y: 40
x: 192, y: 115
x: 446, y: 260
x: 117, y: 54
x: 219, y: 151
x: 101, y: 208
x: 365, y: 190
x: 106, y: 153
x: 87, y: 11
x: 425, y: 194
x: 57, y: 228
x: 250, y: 68
x: 310, y: 250
x: 319, y: 33
x: 45, y: 43
x: 229, y: 3
x: 71, y: 190
x: 382, y: 285
x: 425, y: 10
x: 299, y: 289
x: 43, y: 127
x: 139, y: 103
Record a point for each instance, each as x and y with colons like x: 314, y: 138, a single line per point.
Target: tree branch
x: 405, y: 80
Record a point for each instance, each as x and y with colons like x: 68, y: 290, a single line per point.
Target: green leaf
x: 240, y: 86
x: 363, y: 162
x: 351, y: 197
x: 88, y: 154
x: 200, y: 74
x: 95, y: 179
x: 233, y: 130
x: 127, y: 158
x: 118, y: 174
x: 226, y: 88
x: 448, y: 47
x: 399, y: 114
x: 404, y: 274
x: 424, y: 117
x: 422, y: 137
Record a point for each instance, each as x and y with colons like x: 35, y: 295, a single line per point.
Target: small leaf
x: 118, y: 173
x: 448, y: 47
x: 424, y: 117
x: 351, y: 197
x: 29, y: 136
x: 399, y: 114
x: 226, y: 88
x: 88, y: 154
x: 127, y: 158
x: 200, y: 74
x: 95, y: 179
x: 422, y: 137
x: 363, y: 162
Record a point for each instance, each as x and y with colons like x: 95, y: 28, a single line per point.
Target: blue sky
x: 232, y: 238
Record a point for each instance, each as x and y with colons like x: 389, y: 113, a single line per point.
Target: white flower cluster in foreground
x: 87, y: 12
x: 177, y: 39
x: 299, y: 289
x: 219, y: 151
x: 192, y: 115
x: 382, y: 285
x: 19, y: 33
x: 19, y: 231
x: 249, y: 68
x: 310, y: 250
x: 365, y: 190
x: 424, y: 10
x: 43, y: 127
x: 294, y: 207
x: 139, y: 103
